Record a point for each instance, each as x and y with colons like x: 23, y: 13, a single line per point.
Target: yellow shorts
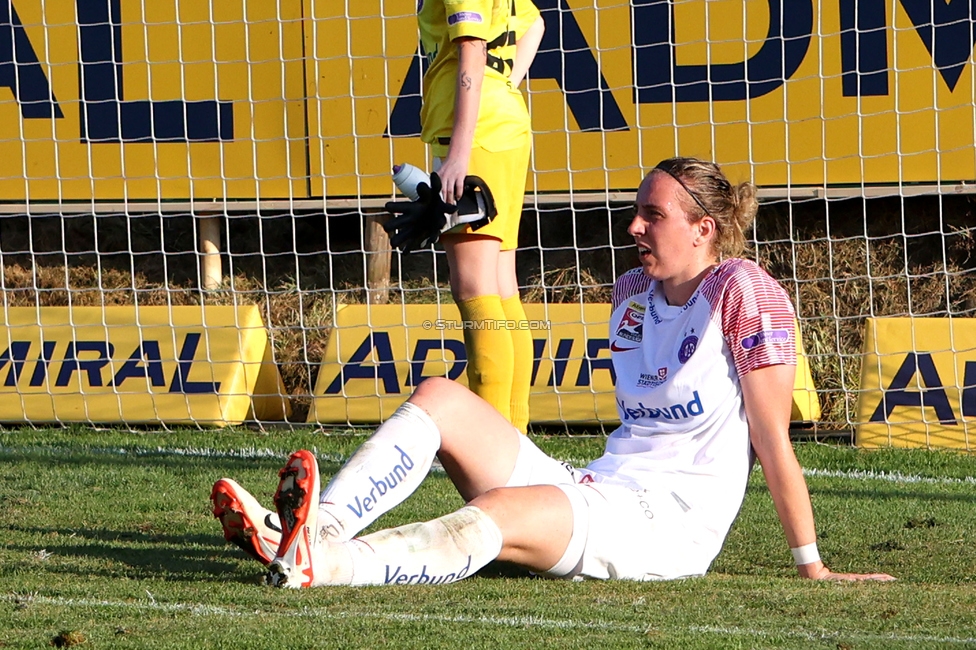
x: 504, y: 172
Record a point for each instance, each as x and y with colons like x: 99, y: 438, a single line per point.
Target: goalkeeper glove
x: 419, y: 224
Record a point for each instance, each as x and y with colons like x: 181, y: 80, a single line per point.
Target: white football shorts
x: 619, y: 532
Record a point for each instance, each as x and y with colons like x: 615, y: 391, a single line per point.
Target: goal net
x: 172, y: 154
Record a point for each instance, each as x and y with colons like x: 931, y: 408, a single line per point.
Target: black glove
x: 418, y: 224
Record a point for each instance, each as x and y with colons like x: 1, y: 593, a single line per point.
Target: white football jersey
x: 683, y: 422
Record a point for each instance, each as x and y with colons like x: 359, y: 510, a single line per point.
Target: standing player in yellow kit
x: 476, y: 122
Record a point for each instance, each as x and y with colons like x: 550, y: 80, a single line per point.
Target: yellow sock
x: 490, y: 354
x: 524, y: 356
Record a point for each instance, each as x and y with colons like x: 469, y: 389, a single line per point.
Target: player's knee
x: 433, y: 390
x: 495, y: 503
x: 434, y: 386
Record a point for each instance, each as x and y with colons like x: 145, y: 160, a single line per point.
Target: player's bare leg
x: 476, y: 445
x: 473, y: 263
x: 536, y: 523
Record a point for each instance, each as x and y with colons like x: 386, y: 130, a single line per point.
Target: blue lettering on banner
x: 419, y: 358
x: 356, y: 368
x: 565, y: 56
x: 863, y: 48
x: 148, y: 354
x: 538, y: 349
x: 945, y: 28
x: 591, y: 362
x: 397, y: 576
x: 932, y: 394
x: 677, y: 411
x: 374, y: 361
x: 106, y: 116
x: 405, y: 117
x: 40, y: 370
x: 661, y: 80
x: 92, y: 367
x: 90, y: 358
x: 385, y: 484
x: 969, y: 391
x: 21, y: 71
x: 560, y: 361
x: 180, y: 382
x: 16, y: 355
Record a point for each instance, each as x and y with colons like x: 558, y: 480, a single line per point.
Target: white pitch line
x: 248, y: 453
x: 853, y: 474
x: 891, y: 477
x: 520, y: 622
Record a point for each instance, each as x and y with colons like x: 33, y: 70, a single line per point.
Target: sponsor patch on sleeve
x: 631, y: 325
x: 465, y: 17
x: 765, y: 336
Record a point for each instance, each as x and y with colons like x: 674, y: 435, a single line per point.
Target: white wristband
x: 806, y: 554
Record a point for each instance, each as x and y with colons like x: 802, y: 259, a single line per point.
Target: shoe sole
x: 296, y: 501
x: 239, y: 513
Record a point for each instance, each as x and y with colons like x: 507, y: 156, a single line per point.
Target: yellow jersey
x: 503, y: 119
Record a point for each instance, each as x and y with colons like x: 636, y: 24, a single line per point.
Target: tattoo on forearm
x: 465, y: 80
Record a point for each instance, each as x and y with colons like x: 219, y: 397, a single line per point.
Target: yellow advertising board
x: 806, y: 402
x: 131, y: 100
x: 266, y: 99
x: 918, y: 383
x: 178, y: 365
x: 807, y: 92
x: 378, y: 354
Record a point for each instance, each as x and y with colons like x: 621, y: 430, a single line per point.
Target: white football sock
x: 381, y: 474
x: 440, y: 551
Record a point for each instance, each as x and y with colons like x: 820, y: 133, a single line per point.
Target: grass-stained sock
x: 439, y: 551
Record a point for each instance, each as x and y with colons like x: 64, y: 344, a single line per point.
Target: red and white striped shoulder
x: 629, y: 284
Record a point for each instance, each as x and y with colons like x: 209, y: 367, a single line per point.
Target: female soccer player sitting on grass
x: 703, y: 348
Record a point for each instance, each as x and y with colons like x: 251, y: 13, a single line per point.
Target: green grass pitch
x: 106, y: 541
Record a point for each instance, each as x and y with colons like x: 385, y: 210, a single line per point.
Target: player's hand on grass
x: 818, y: 571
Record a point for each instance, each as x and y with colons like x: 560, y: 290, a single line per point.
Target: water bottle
x: 406, y: 177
